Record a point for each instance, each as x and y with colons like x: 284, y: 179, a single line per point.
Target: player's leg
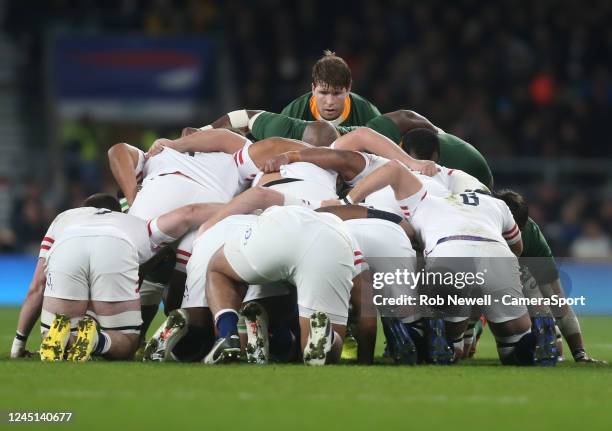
x: 515, y: 342
x: 199, y: 338
x: 321, y: 340
x: 59, y: 319
x: 225, y: 290
x: 366, y: 316
x: 269, y: 312
x: 454, y: 335
x: 66, y: 295
x: 117, y: 329
x: 444, y: 336
x: 114, y: 302
x: 518, y: 341
x: 324, y: 279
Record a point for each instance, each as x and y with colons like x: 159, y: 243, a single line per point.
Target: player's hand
x: 274, y: 164
x: 428, y: 167
x: 157, y: 147
x: 189, y: 131
x: 330, y: 203
x: 18, y: 350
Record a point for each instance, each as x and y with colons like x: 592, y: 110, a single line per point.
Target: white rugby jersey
x: 215, y: 171
x: 468, y: 213
x: 89, y: 221
x: 444, y: 183
x: 315, y: 183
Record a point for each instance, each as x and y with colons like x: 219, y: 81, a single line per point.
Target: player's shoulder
x: 531, y: 228
x: 535, y: 244
x: 297, y: 104
x: 75, y: 212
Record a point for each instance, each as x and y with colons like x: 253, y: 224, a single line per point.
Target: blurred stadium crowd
x: 514, y: 78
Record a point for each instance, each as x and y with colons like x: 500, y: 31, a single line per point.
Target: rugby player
x: 539, y: 270
x: 451, y: 151
x: 472, y: 225
x: 445, y: 182
x: 89, y: 261
x: 154, y: 184
x: 218, y: 233
x: 331, y: 98
x: 312, y: 250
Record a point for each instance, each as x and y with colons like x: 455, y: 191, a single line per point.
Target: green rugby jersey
x: 537, y: 255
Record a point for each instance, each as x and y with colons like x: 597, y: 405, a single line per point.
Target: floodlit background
x: 528, y: 83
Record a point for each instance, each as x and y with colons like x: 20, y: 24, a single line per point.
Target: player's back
x: 458, y: 154
x: 469, y: 213
x: 90, y: 222
x: 216, y: 171
x: 311, y: 181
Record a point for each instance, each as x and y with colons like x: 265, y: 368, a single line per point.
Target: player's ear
x: 313, y: 87
x: 348, y: 90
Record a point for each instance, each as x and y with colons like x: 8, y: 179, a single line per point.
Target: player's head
x: 102, y: 200
x: 422, y: 144
x: 331, y: 84
x: 517, y: 204
x: 320, y: 133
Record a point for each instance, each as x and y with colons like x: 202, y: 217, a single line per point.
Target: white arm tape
x: 239, y: 119
x: 157, y: 237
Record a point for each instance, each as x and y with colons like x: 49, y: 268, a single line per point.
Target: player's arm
x: 269, y: 148
x: 366, y: 139
x: 393, y: 173
x: 30, y: 311
x: 347, y: 163
x: 511, y: 231
x: 168, y: 227
x: 364, y: 309
x: 245, y: 203
x: 204, y: 141
x: 568, y: 323
x: 235, y: 120
x: 124, y: 161
x: 458, y: 181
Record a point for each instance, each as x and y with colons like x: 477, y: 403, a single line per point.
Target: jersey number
x: 470, y: 198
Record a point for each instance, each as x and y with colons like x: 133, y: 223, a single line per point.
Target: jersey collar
x: 314, y: 110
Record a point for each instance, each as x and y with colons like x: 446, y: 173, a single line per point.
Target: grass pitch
x: 478, y: 393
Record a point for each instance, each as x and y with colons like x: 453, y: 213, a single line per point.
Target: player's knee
x: 516, y: 349
x: 320, y: 134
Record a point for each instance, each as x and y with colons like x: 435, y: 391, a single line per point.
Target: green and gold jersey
x: 357, y: 110
x: 457, y: 154
x: 537, y: 255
